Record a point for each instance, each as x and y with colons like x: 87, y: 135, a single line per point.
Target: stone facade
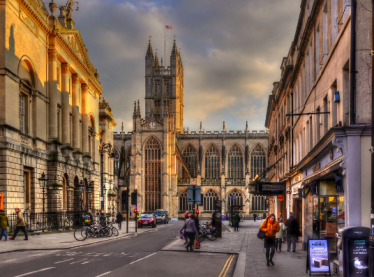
x: 52, y: 116
x: 160, y: 157
x: 321, y: 152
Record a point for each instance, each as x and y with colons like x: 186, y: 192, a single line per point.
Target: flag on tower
x: 169, y: 27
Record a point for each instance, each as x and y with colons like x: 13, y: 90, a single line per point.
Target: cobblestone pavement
x: 65, y: 240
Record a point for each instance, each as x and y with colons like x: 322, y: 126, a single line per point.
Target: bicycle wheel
x: 115, y: 231
x: 211, y: 237
x: 80, y: 234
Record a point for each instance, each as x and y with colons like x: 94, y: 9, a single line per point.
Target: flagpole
x: 165, y: 45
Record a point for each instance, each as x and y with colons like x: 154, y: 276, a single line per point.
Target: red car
x: 147, y: 220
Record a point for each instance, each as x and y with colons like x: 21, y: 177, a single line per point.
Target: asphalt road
x: 136, y: 256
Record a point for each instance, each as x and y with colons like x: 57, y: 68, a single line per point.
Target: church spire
x: 157, y: 64
x: 174, y: 50
x: 149, y: 50
x: 138, y: 113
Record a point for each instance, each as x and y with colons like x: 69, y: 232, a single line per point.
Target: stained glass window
x: 190, y: 158
x: 210, y: 199
x: 235, y: 163
x: 152, y: 175
x: 212, y: 163
x: 258, y: 161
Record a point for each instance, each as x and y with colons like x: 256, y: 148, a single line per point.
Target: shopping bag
x: 182, y: 234
x: 196, y: 244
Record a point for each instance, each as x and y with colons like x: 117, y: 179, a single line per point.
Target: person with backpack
x: 270, y: 227
x: 3, y: 225
x: 280, y: 235
x: 119, y: 218
x: 292, y: 232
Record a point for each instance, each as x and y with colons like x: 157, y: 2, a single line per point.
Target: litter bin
x: 353, y: 247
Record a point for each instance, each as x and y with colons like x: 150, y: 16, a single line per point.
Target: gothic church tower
x: 164, y: 86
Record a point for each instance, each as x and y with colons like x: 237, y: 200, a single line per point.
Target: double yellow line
x: 227, y: 266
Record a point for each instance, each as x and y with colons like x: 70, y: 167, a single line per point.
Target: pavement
x: 62, y: 240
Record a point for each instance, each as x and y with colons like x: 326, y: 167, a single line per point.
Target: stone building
x: 160, y: 157
x: 52, y: 116
x: 322, y: 150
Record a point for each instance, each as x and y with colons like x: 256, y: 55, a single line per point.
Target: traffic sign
x: 280, y: 197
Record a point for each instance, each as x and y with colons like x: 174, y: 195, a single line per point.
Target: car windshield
x: 145, y: 216
x: 159, y: 213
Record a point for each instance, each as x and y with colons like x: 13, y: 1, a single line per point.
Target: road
x: 136, y: 256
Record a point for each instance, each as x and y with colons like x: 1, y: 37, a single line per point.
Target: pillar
x: 65, y: 104
x: 85, y: 118
x: 76, y: 113
x: 53, y: 132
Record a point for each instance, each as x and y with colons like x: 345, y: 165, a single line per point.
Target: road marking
x: 227, y: 268
x: 143, y: 258
x: 224, y: 267
x: 64, y: 261
x: 103, y: 274
x: 36, y: 271
x: 85, y: 259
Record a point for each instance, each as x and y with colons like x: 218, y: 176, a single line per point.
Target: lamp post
x: 43, y: 184
x: 81, y: 189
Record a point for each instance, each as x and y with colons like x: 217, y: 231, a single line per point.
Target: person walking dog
x: 280, y: 235
x: 292, y: 232
x: 3, y: 225
x: 20, y: 225
x: 270, y: 227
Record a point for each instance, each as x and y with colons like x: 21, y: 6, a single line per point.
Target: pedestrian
x: 3, y: 225
x: 190, y: 231
x: 264, y: 216
x: 270, y: 227
x: 292, y: 232
x: 119, y: 220
x: 280, y: 235
x: 185, y: 237
x: 236, y: 220
x: 254, y: 217
x: 20, y: 225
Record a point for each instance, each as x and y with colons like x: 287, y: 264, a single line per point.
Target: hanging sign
x: 318, y: 256
x: 1, y: 201
x: 280, y: 197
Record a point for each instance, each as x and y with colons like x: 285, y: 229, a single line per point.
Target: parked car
x: 147, y: 220
x: 161, y: 216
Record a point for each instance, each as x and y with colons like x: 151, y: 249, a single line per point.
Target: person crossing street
x: 21, y: 225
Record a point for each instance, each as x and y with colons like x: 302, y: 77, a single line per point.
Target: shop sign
x: 1, y: 201
x: 295, y: 189
x: 296, y: 179
x: 318, y: 256
x: 272, y: 187
x: 280, y: 197
x: 358, y: 257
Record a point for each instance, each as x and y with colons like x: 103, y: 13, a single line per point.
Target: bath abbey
x: 160, y: 157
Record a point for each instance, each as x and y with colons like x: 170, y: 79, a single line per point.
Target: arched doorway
x: 152, y: 154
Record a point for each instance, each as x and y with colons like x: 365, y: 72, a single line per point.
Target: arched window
x: 183, y: 206
x: 190, y: 158
x: 152, y: 154
x: 235, y: 198
x: 64, y: 193
x: 235, y: 163
x: 210, y: 199
x: 212, y: 163
x: 258, y: 161
x: 116, y: 161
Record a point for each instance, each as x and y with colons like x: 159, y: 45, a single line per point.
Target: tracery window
x: 210, y: 199
x: 235, y: 198
x: 258, y: 161
x: 235, y: 163
x: 212, y: 163
x: 183, y: 206
x: 152, y: 175
x: 190, y: 158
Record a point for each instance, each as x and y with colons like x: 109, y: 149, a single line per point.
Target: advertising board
x: 318, y: 255
x: 358, y: 257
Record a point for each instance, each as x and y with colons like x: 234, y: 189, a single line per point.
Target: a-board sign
x: 280, y: 197
x: 318, y: 255
x: 358, y: 257
x: 1, y: 201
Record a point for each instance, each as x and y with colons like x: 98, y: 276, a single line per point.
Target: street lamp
x: 43, y: 184
x: 81, y: 189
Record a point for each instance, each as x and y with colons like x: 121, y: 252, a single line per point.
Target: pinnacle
x: 174, y: 51
x: 149, y: 50
x: 157, y: 64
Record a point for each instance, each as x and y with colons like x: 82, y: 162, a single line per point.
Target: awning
x: 329, y: 168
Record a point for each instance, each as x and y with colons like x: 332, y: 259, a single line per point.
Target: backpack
x: 261, y: 234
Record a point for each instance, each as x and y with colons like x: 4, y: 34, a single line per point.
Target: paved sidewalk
x: 65, y: 240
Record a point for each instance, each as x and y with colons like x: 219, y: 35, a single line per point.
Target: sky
x: 231, y: 51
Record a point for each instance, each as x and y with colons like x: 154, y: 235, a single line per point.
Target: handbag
x: 261, y: 234
x: 196, y: 244
x: 182, y: 234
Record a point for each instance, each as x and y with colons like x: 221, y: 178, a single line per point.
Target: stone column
x: 76, y: 112
x: 53, y: 132
x: 85, y: 149
x: 65, y: 104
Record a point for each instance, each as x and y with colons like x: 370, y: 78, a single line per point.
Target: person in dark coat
x: 254, y: 217
x: 119, y: 220
x: 236, y: 220
x: 292, y: 232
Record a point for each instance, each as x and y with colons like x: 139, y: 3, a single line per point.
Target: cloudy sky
x: 231, y: 52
